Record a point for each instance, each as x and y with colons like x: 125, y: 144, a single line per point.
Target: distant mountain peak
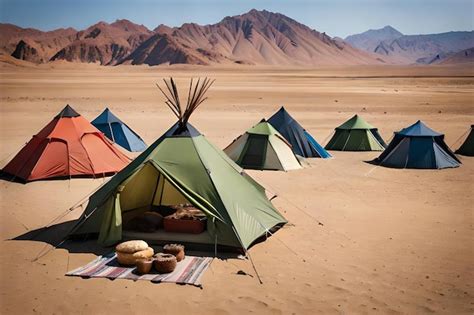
x: 370, y: 40
x: 390, y: 28
x: 129, y: 26
x: 162, y: 28
x: 122, y: 21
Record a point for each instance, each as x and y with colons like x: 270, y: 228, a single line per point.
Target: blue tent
x: 418, y: 146
x: 117, y: 131
x: 302, y: 143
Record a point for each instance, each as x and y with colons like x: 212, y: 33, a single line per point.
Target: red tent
x: 68, y: 146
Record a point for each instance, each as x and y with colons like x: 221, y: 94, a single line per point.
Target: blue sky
x: 335, y: 17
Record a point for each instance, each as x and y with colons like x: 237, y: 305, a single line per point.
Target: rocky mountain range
x: 256, y: 37
x: 412, y: 49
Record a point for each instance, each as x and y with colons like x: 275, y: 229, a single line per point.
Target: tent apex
x: 67, y: 111
x: 302, y: 142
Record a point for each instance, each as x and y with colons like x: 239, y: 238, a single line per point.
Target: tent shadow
x: 373, y: 162
x: 55, y: 234
x: 15, y: 179
x: 11, y: 178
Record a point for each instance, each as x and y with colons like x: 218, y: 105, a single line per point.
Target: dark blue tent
x: 418, y: 146
x: 117, y: 131
x: 303, y: 144
x: 467, y: 148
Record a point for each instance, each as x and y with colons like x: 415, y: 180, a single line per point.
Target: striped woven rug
x: 188, y: 271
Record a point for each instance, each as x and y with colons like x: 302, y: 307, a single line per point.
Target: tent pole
x: 111, y: 132
x: 347, y: 140
x: 215, y: 245
x: 162, y: 190
x: 68, y: 166
x: 156, y: 189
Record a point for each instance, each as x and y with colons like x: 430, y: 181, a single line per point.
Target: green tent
x: 182, y: 167
x: 356, y: 135
x: 467, y: 148
x: 263, y: 148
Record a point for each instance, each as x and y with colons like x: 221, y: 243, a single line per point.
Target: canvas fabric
x: 117, y: 131
x: 418, y: 147
x: 184, y: 168
x: 68, y: 146
x: 354, y: 140
x: 302, y: 143
x: 263, y: 148
x: 467, y: 148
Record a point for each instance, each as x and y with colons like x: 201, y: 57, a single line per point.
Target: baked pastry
x: 174, y: 249
x: 131, y: 246
x: 129, y: 252
x: 164, y: 263
x: 130, y: 259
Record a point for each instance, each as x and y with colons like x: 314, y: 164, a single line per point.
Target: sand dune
x: 392, y: 241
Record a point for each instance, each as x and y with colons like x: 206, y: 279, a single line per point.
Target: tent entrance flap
x: 152, y: 186
x: 255, y: 151
x: 149, y: 187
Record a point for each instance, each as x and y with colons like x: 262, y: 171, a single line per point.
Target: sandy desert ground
x: 393, y: 241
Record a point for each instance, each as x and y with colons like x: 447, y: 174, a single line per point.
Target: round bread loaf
x: 131, y: 247
x: 131, y: 258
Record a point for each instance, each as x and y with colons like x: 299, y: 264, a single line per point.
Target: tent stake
x: 253, y: 265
